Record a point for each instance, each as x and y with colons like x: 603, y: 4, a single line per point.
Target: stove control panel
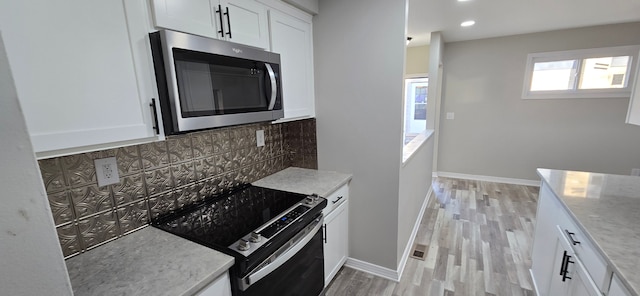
x: 262, y: 235
x: 283, y: 221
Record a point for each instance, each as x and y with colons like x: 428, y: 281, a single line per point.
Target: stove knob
x: 255, y: 237
x: 310, y: 199
x: 243, y: 245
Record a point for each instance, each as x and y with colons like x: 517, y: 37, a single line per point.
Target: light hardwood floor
x: 478, y: 236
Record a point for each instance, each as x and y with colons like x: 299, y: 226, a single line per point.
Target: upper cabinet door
x: 633, y: 115
x: 82, y: 71
x: 245, y: 22
x: 199, y: 17
x: 240, y: 21
x: 292, y: 39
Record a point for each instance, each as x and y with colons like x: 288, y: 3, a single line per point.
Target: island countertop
x: 305, y: 181
x: 607, y: 208
x: 147, y: 262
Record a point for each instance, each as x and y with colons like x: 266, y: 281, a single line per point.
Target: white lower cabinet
x: 336, y: 227
x: 219, y: 287
x: 83, y: 71
x: 569, y: 276
x: 564, y: 260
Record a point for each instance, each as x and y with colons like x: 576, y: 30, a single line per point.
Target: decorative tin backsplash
x: 162, y: 176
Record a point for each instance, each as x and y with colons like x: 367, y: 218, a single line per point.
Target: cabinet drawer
x: 336, y: 198
x: 586, y: 251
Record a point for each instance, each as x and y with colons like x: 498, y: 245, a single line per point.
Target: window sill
x: 410, y: 148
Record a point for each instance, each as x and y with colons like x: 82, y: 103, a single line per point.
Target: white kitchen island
x: 587, y: 239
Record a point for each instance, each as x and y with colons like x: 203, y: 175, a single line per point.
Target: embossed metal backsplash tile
x: 159, y: 177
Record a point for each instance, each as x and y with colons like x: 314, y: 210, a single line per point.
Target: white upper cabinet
x: 292, y: 38
x: 246, y: 22
x: 83, y: 71
x: 286, y: 31
x: 633, y: 115
x: 194, y: 16
x: 240, y: 21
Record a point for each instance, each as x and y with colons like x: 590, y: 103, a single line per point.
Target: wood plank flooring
x: 478, y: 237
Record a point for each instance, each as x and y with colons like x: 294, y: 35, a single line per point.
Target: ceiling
x: 510, y: 17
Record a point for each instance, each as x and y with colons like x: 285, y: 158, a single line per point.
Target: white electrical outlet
x: 107, y: 171
x: 635, y: 172
x: 450, y: 115
x: 260, y: 138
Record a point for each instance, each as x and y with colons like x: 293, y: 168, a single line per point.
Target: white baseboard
x: 490, y: 179
x: 371, y: 268
x: 414, y: 232
x: 388, y: 273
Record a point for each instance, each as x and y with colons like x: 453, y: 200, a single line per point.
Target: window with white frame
x: 587, y: 73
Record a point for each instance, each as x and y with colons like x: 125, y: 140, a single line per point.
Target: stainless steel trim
x: 265, y: 241
x: 274, y: 86
x: 170, y: 40
x: 282, y: 255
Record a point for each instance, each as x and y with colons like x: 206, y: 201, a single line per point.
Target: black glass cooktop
x: 220, y: 221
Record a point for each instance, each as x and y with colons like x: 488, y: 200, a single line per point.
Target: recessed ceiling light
x: 468, y: 23
x: 463, y: 0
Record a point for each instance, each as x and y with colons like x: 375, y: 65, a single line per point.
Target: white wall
x: 496, y: 133
x: 415, y: 181
x: 31, y: 261
x: 417, y: 60
x: 359, y: 48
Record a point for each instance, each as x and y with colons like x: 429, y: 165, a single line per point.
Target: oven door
x: 296, y: 269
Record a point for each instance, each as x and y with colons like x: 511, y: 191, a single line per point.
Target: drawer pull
x: 338, y: 199
x: 566, y: 259
x: 570, y: 235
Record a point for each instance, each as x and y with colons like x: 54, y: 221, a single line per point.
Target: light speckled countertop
x: 305, y: 181
x: 147, y: 262
x: 607, y: 208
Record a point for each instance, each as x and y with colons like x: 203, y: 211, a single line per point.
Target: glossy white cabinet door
x: 337, y: 241
x: 219, y: 287
x: 82, y: 70
x: 212, y: 18
x: 292, y: 38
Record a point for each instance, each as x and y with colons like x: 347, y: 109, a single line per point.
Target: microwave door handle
x: 255, y: 276
x: 274, y: 86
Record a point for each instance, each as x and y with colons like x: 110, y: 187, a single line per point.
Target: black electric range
x: 253, y: 224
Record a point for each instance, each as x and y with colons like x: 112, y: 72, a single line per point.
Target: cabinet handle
x: 228, y: 21
x: 325, y: 233
x: 564, y: 258
x: 153, y: 106
x: 564, y: 269
x: 219, y: 12
x: 570, y: 235
x: 338, y: 199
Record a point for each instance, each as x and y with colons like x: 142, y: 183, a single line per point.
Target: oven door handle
x: 291, y: 251
x: 274, y: 86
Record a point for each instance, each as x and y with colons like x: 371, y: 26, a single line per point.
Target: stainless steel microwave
x: 206, y: 83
